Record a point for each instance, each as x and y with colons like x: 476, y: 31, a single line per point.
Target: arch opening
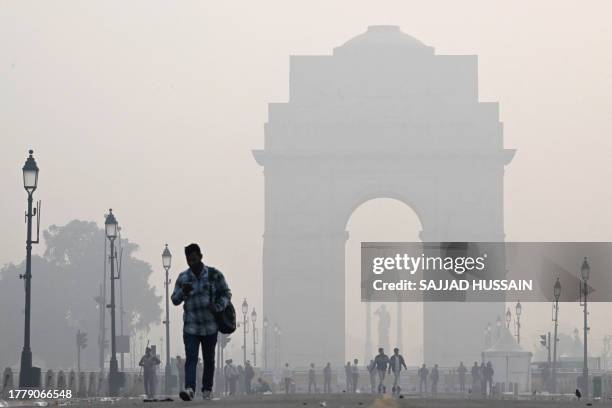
x: 380, y: 220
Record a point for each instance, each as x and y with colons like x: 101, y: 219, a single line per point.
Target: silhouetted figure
x: 230, y: 373
x: 7, y: 381
x: 180, y: 367
x: 288, y: 377
x: 483, y: 378
x: 204, y: 291
x: 423, y: 373
x: 249, y: 374
x: 348, y: 375
x: 489, y: 378
x: 241, y: 380
x: 461, y: 371
x: 149, y: 363
x: 382, y: 362
x: 475, y: 378
x: 312, y: 383
x: 372, y: 371
x: 355, y: 376
x: 435, y: 377
x: 327, y: 374
x: 396, y: 362
x: 578, y: 394
x: 262, y: 386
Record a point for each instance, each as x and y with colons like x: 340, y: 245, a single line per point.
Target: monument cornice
x: 266, y: 156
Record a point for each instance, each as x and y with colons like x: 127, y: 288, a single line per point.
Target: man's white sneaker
x: 206, y: 395
x: 186, y: 394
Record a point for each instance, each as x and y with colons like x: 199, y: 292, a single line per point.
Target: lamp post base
x: 115, y: 378
x: 29, y: 377
x: 169, y: 379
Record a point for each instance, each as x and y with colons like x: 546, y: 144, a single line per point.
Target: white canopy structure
x: 510, y: 362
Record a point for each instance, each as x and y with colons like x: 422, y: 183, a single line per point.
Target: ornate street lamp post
x: 265, y: 340
x: 276, y: 341
x: 245, y: 323
x: 508, y: 318
x: 29, y: 376
x: 557, y: 295
x: 166, y: 262
x: 585, y: 271
x: 254, y: 319
x: 112, y: 228
x: 498, y: 325
x: 518, y: 311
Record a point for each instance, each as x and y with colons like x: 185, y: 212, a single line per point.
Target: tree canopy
x: 65, y: 282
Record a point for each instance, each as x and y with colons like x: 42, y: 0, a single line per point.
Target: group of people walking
x: 239, y: 379
x: 204, y: 293
x: 482, y: 378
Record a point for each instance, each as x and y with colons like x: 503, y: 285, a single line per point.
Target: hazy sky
x: 152, y: 108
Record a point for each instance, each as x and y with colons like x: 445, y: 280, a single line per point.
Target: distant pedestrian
x: 312, y: 383
x: 382, y: 362
x: 423, y: 373
x: 475, y: 371
x: 461, y: 371
x: 231, y: 376
x: 489, y: 378
x: 149, y: 363
x: 288, y: 378
x: 483, y: 378
x: 262, y: 386
x: 435, y: 377
x: 396, y: 362
x: 372, y: 372
x: 355, y: 376
x: 249, y: 374
x: 240, y: 380
x: 327, y: 375
x: 348, y: 375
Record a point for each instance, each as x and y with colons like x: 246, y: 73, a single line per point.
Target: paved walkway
x: 324, y: 401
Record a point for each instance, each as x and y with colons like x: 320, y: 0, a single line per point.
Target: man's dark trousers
x: 192, y: 345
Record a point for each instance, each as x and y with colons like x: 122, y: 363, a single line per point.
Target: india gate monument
x: 383, y: 116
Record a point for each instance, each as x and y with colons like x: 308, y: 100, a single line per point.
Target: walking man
x: 461, y: 370
x: 372, y: 371
x: 423, y: 373
x: 355, y: 376
x: 483, y: 378
x: 288, y: 377
x: 230, y: 373
x: 382, y: 362
x: 489, y: 378
x: 349, y: 375
x: 475, y: 378
x: 327, y: 375
x: 396, y: 362
x: 249, y: 373
x: 194, y: 288
x: 149, y: 363
x: 312, y: 384
x: 435, y: 376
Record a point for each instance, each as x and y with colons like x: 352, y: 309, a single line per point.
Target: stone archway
x: 384, y: 116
